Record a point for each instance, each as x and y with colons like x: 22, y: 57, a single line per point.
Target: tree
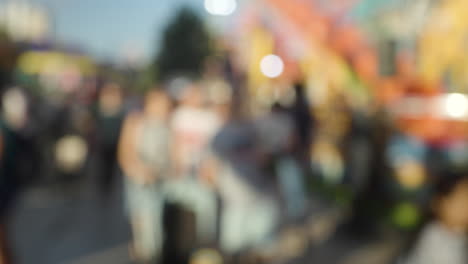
x: 186, y: 44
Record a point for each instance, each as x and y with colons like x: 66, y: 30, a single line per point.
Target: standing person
x: 278, y: 138
x: 144, y: 155
x: 373, y: 194
x: 193, y: 126
x: 303, y: 121
x: 443, y: 239
x: 109, y: 118
x: 249, y: 206
x: 14, y: 118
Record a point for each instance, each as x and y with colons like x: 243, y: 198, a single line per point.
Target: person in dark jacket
x: 109, y: 118
x: 13, y: 120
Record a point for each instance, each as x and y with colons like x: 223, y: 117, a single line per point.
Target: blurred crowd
x: 186, y: 151
x: 210, y: 177
x: 269, y: 131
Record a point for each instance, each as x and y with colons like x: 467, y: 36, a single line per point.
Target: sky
x: 109, y: 28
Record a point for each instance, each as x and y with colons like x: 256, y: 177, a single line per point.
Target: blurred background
x: 233, y: 131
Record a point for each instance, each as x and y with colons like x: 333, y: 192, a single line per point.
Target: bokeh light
x: 406, y: 215
x: 291, y: 126
x: 220, y: 7
x: 70, y: 153
x: 14, y: 107
x: 272, y: 66
x: 456, y: 105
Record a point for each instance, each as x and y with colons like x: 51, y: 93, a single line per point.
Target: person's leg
x: 291, y: 183
x: 205, y: 206
x: 147, y: 225
x: 263, y: 221
x: 150, y: 235
x: 5, y: 253
x: 108, y: 166
x: 200, y: 200
x: 157, y: 225
x: 232, y: 238
x: 136, y: 226
x: 133, y: 200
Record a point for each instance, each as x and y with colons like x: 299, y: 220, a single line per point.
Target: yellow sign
x: 443, y: 44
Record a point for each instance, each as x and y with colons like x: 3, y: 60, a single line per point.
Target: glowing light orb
x: 70, y: 153
x: 15, y: 107
x: 456, y: 105
x: 272, y: 66
x: 220, y: 7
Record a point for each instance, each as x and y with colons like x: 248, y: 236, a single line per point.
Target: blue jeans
x: 145, y: 204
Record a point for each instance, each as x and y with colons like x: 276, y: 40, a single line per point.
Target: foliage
x: 185, y: 46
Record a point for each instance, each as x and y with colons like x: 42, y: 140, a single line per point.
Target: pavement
x: 76, y: 226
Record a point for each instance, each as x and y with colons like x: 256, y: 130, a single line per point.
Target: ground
x: 78, y: 226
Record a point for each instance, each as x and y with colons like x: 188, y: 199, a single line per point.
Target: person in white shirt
x: 193, y: 125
